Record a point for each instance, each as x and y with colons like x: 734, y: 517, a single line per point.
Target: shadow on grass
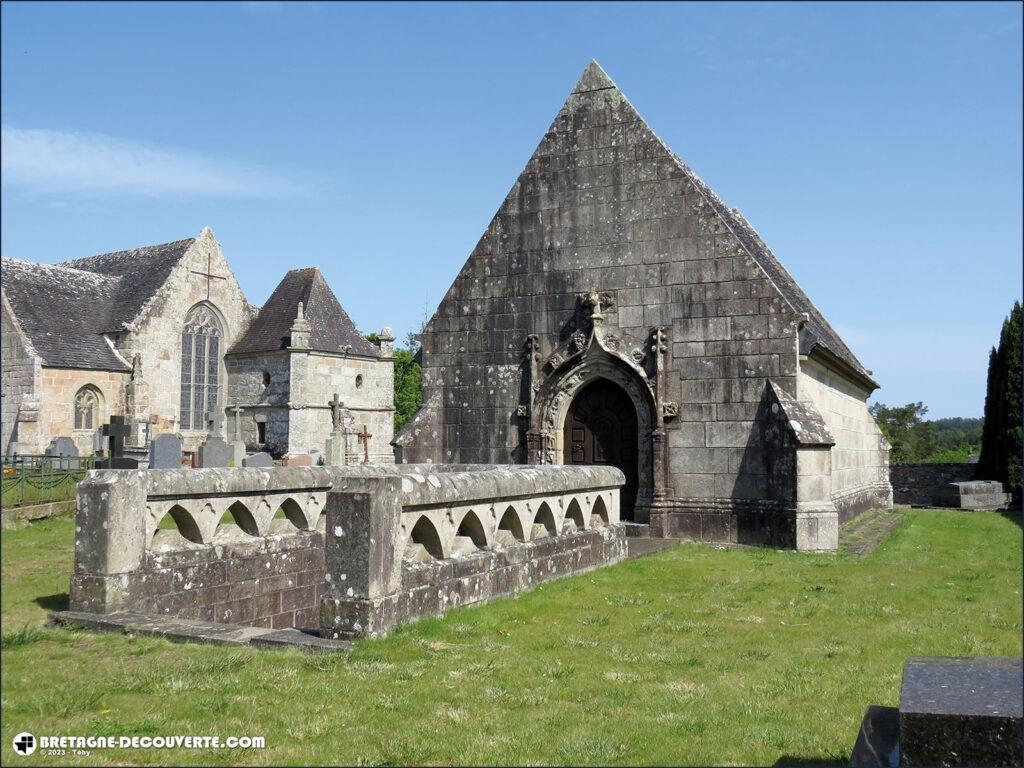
x: 57, y: 602
x: 788, y: 761
x: 1013, y: 515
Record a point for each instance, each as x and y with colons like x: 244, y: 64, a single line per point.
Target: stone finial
x: 387, y: 340
x: 301, y: 330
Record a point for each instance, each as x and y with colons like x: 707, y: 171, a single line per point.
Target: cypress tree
x: 1001, y: 436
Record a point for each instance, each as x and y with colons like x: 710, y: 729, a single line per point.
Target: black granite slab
x: 961, y: 711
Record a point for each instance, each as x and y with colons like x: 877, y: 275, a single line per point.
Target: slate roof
x: 65, y: 308
x: 63, y: 312
x: 817, y: 330
x: 331, y: 327
x: 143, y: 271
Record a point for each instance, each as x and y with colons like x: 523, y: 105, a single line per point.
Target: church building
x: 164, y: 336
x: 616, y: 311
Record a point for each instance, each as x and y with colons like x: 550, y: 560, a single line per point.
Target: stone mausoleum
x: 616, y: 311
x: 164, y: 336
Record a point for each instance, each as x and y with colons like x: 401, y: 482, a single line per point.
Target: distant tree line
x: 916, y: 440
x: 995, y: 439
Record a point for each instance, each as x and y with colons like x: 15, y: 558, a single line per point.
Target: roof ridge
x: 131, y: 250
x: 62, y: 266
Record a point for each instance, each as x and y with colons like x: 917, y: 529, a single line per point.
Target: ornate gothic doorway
x: 601, y: 428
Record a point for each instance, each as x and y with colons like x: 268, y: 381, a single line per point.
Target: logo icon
x: 24, y: 743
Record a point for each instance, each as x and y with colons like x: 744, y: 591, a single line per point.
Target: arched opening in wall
x: 235, y: 521
x: 601, y: 428
x: 599, y: 514
x: 88, y: 405
x: 473, y: 529
x: 179, y: 519
x: 510, y: 529
x: 425, y: 534
x: 544, y: 523
x: 573, y: 518
x: 293, y: 511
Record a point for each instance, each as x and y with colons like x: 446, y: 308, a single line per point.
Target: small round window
x: 359, y: 380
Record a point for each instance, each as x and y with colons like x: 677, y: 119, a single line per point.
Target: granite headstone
x: 165, y: 451
x: 258, y: 460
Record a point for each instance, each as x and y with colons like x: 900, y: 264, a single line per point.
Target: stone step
x: 193, y: 631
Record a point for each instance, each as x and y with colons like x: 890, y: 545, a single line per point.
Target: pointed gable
x: 595, y: 151
x: 331, y: 328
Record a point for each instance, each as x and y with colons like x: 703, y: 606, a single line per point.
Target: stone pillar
x: 110, y: 542
x: 363, y: 558
x: 29, y: 439
x: 817, y: 520
x: 387, y: 341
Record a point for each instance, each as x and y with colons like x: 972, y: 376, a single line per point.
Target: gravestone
x: 953, y: 711
x: 297, y: 460
x: 116, y: 432
x: 165, y: 451
x: 215, y: 452
x: 64, y: 448
x: 337, y: 443
x: 258, y: 460
x: 237, y: 444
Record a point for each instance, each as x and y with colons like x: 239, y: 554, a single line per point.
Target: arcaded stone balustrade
x: 395, y: 532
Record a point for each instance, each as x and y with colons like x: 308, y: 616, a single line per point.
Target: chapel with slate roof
x: 616, y: 311
x: 164, y: 336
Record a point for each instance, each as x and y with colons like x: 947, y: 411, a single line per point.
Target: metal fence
x: 43, y: 479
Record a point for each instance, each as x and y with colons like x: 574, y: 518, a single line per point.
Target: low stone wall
x: 254, y: 546
x: 202, y: 544
x: 402, y: 547
x: 918, y: 484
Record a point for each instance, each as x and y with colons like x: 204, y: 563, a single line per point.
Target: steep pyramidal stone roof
x: 817, y: 330
x: 143, y: 271
x: 63, y: 312
x: 332, y: 329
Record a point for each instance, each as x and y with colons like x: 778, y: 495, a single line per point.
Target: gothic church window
x: 200, y: 366
x: 87, y: 408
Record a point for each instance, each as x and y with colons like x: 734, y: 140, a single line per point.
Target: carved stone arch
x: 556, y: 393
x: 472, y: 526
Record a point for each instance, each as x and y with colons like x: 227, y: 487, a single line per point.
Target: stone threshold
x: 193, y: 631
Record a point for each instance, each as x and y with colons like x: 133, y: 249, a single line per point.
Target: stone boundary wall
x: 918, y: 484
x: 247, y: 546
x: 403, y: 546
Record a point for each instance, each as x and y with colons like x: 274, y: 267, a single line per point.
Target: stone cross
x: 216, y: 423
x: 117, y: 431
x: 336, y: 414
x: 237, y: 410
x: 364, y: 438
x: 208, y: 274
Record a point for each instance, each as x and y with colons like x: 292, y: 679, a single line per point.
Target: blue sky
x: 876, y: 148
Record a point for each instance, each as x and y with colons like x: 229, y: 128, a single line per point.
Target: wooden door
x: 601, y: 428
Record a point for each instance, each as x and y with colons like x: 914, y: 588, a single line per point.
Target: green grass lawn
x: 698, y: 655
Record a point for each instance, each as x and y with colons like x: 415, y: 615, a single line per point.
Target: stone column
x: 110, y: 539
x: 363, y: 558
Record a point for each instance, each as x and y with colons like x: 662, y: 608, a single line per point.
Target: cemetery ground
x: 697, y: 655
